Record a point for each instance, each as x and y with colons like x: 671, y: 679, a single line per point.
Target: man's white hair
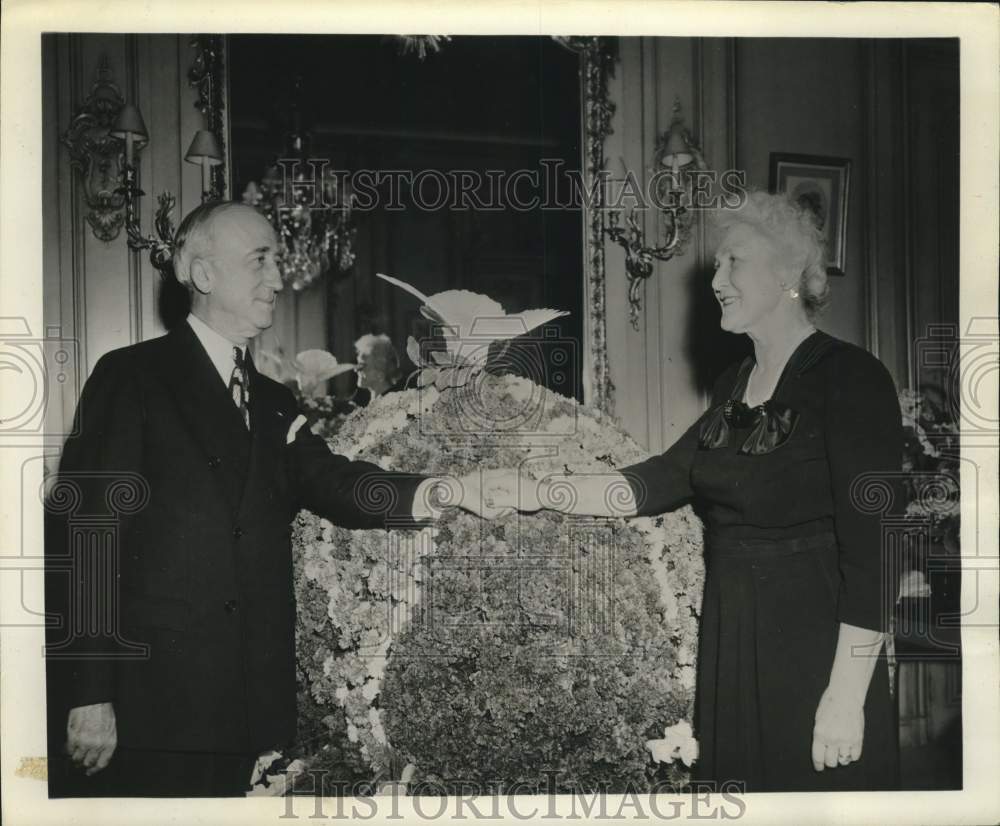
x: 194, y: 237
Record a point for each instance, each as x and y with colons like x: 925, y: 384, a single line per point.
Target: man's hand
x: 91, y: 736
x: 839, y: 731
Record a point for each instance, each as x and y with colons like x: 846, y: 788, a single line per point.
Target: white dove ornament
x: 469, y: 323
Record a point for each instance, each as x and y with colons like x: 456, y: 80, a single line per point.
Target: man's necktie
x: 238, y: 388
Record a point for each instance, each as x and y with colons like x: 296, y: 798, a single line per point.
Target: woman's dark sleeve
x: 662, y: 483
x: 864, y: 444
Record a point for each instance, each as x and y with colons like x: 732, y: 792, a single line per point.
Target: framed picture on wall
x: 821, y: 185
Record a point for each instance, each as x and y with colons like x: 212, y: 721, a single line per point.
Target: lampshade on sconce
x: 131, y: 128
x: 130, y: 122
x: 204, y: 149
x: 677, y: 152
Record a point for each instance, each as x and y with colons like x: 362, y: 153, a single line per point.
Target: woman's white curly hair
x: 794, y: 232
x: 379, y: 354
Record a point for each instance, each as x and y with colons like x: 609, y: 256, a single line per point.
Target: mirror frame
x: 597, y: 61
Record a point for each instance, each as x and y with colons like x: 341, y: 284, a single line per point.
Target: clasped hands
x: 489, y: 494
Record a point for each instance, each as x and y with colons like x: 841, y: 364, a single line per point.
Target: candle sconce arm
x: 161, y: 245
x: 639, y: 258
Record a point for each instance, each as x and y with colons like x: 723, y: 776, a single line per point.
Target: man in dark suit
x: 173, y: 665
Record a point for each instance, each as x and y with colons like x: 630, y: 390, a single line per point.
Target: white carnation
x: 677, y: 742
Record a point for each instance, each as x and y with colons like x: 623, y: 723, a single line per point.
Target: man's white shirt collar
x: 218, y: 347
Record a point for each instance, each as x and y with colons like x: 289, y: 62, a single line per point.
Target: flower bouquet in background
x: 307, y: 376
x: 931, y: 473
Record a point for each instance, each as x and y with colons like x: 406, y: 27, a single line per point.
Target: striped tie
x: 238, y: 386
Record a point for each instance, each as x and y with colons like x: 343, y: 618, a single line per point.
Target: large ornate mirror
x: 466, y: 156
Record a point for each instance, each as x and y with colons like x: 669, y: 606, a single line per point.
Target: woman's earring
x: 793, y: 294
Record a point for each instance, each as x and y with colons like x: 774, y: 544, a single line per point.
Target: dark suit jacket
x: 201, y: 571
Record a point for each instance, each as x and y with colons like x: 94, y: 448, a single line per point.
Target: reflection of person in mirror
x: 378, y: 366
x: 792, y: 692
x: 201, y: 574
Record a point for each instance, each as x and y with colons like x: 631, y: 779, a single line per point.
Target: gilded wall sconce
x: 104, y: 140
x: 676, y: 157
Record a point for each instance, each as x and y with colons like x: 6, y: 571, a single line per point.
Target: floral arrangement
x: 499, y: 651
x: 930, y: 458
x: 933, y: 504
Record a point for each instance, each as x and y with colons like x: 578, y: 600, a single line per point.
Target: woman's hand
x: 839, y: 730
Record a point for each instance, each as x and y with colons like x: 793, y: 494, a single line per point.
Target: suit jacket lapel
x: 268, y: 426
x: 207, y: 409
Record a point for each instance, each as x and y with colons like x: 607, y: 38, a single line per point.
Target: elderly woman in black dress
x: 792, y: 691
